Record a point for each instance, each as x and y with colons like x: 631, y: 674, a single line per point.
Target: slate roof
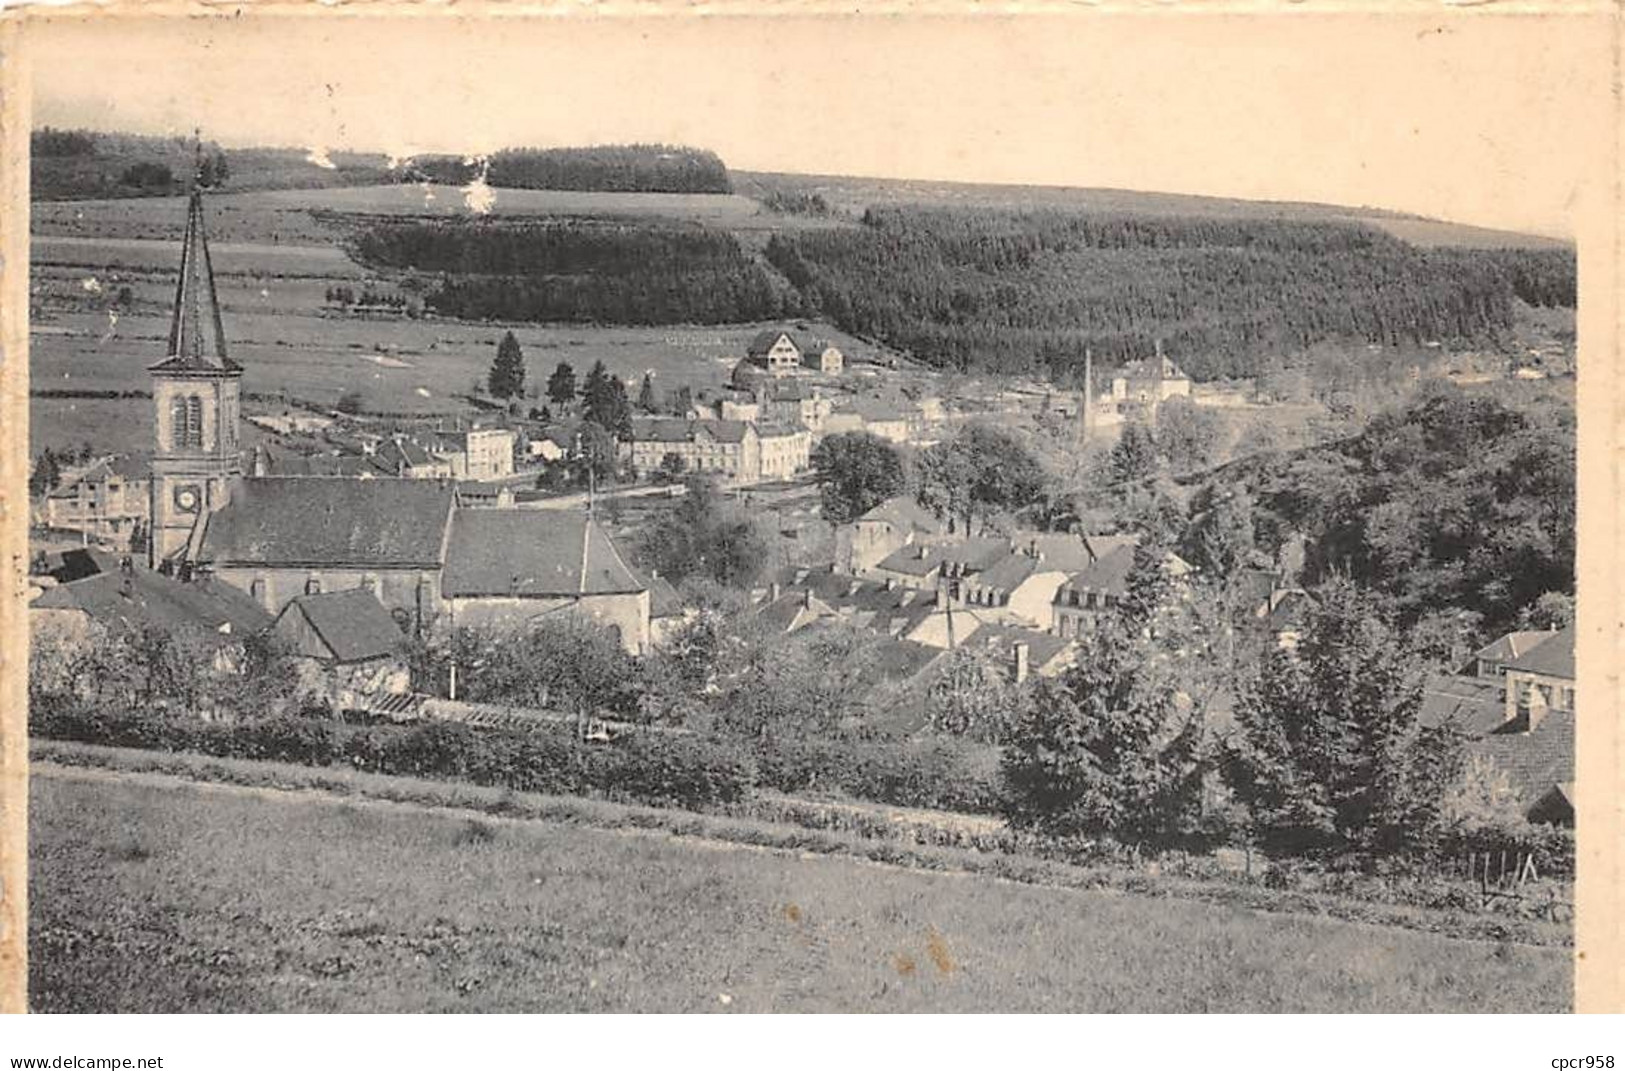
x: 763, y: 341
x: 677, y: 430
x: 1042, y: 647
x: 277, y: 521
x: 1060, y: 550
x: 531, y: 553
x: 1513, y: 645
x: 793, y: 610
x: 121, y: 466
x: 352, y: 624
x: 1475, y: 705
x: 1552, y: 658
x: 905, y: 513
x: 974, y: 555
x: 155, y: 599
x: 1007, y: 574
x: 663, y: 598
x: 1535, y: 762
x: 876, y: 410
x: 1108, y: 575
x: 909, y: 561
x: 197, y: 339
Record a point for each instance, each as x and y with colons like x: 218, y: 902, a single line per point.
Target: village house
x: 1093, y: 595
x: 349, y: 649
x: 823, y: 357
x: 873, y: 415
x: 513, y: 567
x: 1146, y: 384
x: 791, y: 401
x: 775, y: 351
x: 1518, y: 715
x: 915, y: 565
x: 107, y: 500
x: 727, y: 448
x: 786, y: 449
x: 861, y: 545
x: 478, y: 453
x: 1541, y: 680
x: 403, y: 457
x: 114, y: 591
x: 1492, y: 659
x: 1024, y: 653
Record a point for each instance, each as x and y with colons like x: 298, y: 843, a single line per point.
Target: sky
x: 1490, y: 119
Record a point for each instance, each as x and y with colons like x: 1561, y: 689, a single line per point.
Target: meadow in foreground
x: 156, y: 894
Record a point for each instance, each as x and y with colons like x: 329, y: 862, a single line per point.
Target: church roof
x: 197, y: 339
x: 532, y: 553
x: 383, y: 522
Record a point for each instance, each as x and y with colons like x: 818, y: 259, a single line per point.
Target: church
x: 430, y: 563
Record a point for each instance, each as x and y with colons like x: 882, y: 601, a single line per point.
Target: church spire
x: 197, y: 339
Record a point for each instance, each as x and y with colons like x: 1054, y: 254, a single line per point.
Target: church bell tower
x: 196, y: 391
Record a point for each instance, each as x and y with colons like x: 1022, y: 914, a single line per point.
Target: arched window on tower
x: 177, y: 422
x: 194, y: 421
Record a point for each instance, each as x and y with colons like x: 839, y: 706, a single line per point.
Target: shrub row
x: 644, y: 767
x: 934, y: 776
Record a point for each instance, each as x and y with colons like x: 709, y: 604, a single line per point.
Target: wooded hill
x: 578, y: 271
x: 606, y: 168
x: 1027, y: 292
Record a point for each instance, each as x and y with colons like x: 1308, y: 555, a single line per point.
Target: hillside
x: 145, y: 901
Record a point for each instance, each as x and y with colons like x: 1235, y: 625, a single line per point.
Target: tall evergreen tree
x: 507, y: 376
x: 646, y: 394
x: 604, y: 401
x: 561, y: 385
x: 1331, y: 752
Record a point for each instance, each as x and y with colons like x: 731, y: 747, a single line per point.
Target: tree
x: 604, y: 402
x: 46, y: 475
x: 981, y: 471
x: 1553, y: 610
x: 672, y: 467
x: 1186, y: 434
x: 1330, y: 751
x: 507, y: 376
x: 647, y: 401
x: 1106, y: 749
x: 856, y: 472
x: 561, y: 385
x: 1134, y: 458
x: 706, y: 535
x: 1220, y: 540
x: 971, y: 697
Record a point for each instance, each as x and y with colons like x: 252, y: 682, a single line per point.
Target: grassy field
x: 155, y: 894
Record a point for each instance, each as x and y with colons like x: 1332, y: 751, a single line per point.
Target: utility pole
x: 1088, y: 414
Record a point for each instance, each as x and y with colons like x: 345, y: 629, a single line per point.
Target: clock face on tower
x: 187, y: 498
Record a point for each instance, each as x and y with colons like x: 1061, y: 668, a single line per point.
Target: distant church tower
x: 196, y: 390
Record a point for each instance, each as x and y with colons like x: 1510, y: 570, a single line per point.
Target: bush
x: 686, y: 771
x: 936, y: 775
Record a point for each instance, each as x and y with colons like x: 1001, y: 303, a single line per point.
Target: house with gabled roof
x: 107, y: 500
x: 776, y: 351
x: 121, y: 593
x: 1492, y: 659
x: 351, y: 650
x: 899, y: 522
x: 513, y: 567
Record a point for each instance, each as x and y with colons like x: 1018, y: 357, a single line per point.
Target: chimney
x: 774, y: 591
x: 942, y: 598
x: 891, y: 583
x: 1536, y: 709
x: 807, y: 598
x: 126, y: 568
x: 1023, y: 654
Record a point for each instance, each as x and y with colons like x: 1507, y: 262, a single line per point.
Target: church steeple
x: 197, y: 339
x: 196, y: 396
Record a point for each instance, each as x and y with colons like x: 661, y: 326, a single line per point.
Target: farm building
x: 350, y: 648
